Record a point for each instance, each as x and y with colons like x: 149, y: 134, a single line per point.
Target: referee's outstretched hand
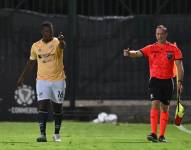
x: 126, y: 52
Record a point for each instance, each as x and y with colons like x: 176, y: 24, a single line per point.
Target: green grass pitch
x: 89, y: 136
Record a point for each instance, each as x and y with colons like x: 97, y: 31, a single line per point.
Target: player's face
x: 47, y: 33
x: 161, y: 35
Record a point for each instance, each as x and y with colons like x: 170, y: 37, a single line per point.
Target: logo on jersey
x: 24, y: 95
x: 169, y: 55
x: 44, y: 58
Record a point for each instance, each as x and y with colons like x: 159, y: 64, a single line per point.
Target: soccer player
x: 161, y: 56
x: 50, y: 82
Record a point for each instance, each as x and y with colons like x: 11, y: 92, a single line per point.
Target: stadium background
x: 96, y: 31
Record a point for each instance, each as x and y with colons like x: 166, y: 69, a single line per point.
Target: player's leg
x: 154, y: 111
x: 168, y: 88
x: 57, y: 112
x: 59, y: 94
x: 43, y: 98
x: 43, y: 106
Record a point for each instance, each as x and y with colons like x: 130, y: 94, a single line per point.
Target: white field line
x: 182, y: 128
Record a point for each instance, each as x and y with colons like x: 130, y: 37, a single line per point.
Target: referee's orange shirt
x: 161, y: 59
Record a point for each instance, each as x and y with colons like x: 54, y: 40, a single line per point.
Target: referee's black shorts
x: 161, y: 89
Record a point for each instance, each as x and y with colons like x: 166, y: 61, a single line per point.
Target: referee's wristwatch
x: 180, y: 81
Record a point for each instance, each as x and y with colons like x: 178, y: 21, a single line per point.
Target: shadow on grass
x: 15, y: 142
x: 123, y: 142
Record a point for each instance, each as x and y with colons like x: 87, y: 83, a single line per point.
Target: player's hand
x: 20, y: 82
x: 180, y: 87
x: 61, y: 37
x: 61, y: 40
x: 126, y: 52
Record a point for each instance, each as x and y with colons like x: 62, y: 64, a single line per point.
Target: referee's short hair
x: 162, y: 27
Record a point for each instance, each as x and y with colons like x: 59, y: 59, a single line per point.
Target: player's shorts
x: 161, y: 89
x: 52, y: 90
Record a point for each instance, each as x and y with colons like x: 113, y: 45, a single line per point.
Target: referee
x: 161, y: 56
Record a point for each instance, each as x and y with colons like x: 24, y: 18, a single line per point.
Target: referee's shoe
x: 162, y: 139
x: 152, y: 137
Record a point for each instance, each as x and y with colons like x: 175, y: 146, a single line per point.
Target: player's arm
x: 180, y: 75
x: 28, y: 67
x: 132, y: 53
x: 61, y: 40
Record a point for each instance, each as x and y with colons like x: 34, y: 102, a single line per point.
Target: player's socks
x: 42, y: 117
x: 154, y: 120
x: 163, y: 122
x: 58, y: 122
